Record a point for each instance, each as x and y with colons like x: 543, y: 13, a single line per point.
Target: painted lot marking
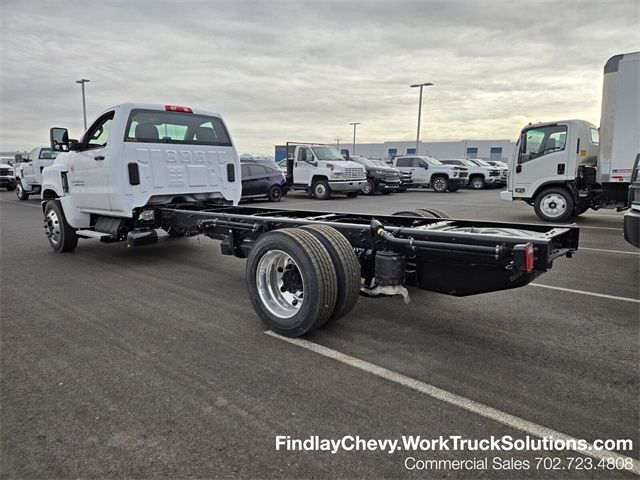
x: 455, y: 400
x: 608, y: 251
x: 601, y: 228
x: 583, y: 292
x: 21, y: 203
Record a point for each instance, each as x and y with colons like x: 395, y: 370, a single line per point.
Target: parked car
x: 7, y: 176
x: 261, y: 180
x: 429, y: 172
x: 380, y: 177
x: 480, y: 176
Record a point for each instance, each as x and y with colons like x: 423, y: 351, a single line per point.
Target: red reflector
x: 176, y: 108
x: 528, y: 257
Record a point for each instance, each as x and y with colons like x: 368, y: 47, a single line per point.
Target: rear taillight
x: 528, y: 257
x: 176, y: 108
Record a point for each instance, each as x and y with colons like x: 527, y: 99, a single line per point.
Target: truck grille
x: 6, y: 172
x: 505, y: 173
x: 354, y: 174
x: 494, y: 173
x: 406, y: 174
x: 463, y: 174
x: 394, y: 177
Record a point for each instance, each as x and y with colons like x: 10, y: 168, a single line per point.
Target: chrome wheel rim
x: 280, y: 284
x: 477, y: 183
x: 440, y: 184
x: 553, y: 205
x: 320, y: 190
x: 52, y: 227
x: 367, y: 187
x: 19, y: 190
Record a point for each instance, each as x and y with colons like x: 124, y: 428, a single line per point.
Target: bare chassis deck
x: 455, y: 257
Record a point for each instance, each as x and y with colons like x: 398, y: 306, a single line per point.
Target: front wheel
x: 440, y: 184
x: 477, y: 183
x: 275, y: 194
x: 554, y: 204
x: 20, y: 192
x: 62, y: 236
x: 321, y: 190
x: 369, y: 187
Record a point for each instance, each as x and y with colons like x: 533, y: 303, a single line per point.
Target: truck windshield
x: 432, y: 161
x: 479, y: 161
x: 327, y: 153
x: 363, y: 161
x: 157, y: 126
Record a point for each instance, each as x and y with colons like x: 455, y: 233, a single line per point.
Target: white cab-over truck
x: 427, y: 171
x: 141, y: 168
x: 563, y: 168
x: 29, y: 171
x: 321, y: 170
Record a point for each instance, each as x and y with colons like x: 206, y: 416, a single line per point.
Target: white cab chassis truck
x: 142, y: 168
x: 29, y: 171
x: 321, y: 170
x: 563, y: 168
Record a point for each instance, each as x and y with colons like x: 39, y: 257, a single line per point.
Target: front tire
x: 292, y: 282
x: 20, y: 191
x: 477, y: 183
x: 275, y: 194
x: 554, y: 204
x: 62, y: 236
x: 321, y: 190
x: 440, y: 184
x: 369, y: 187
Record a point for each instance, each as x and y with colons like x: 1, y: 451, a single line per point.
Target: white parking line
x: 21, y: 203
x: 455, y: 400
x: 583, y: 292
x: 601, y: 228
x: 609, y: 251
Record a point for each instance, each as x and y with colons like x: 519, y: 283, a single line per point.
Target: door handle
x: 99, y: 157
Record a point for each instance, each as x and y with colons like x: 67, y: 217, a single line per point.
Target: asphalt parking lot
x: 150, y: 362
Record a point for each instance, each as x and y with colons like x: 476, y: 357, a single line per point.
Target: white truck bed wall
x: 619, y: 118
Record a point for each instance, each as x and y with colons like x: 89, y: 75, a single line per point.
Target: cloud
x: 287, y: 70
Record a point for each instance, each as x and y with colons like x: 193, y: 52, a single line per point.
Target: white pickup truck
x: 429, y: 172
x: 480, y: 176
x: 29, y: 171
x: 134, y: 155
x: 321, y: 170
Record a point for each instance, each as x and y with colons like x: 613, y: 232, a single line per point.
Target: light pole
x: 427, y: 84
x: 337, y: 143
x: 354, y: 136
x: 82, y: 81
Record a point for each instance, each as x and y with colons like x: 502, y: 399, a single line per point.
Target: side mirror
x: 426, y: 167
x: 59, y: 138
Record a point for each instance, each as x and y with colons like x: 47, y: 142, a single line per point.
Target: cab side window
x: 543, y: 141
x: 98, y: 134
x: 403, y: 162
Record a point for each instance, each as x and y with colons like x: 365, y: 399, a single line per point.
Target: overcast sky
x: 302, y: 70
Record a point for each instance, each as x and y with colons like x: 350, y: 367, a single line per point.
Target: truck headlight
x: 337, y: 174
x: 455, y: 174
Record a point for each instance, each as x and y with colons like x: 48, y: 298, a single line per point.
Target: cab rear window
x: 156, y: 126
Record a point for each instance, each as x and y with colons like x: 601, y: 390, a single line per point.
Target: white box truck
x: 563, y: 168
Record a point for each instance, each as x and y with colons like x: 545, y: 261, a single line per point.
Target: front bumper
x: 492, y: 180
x: 384, y: 185
x: 632, y: 227
x: 506, y: 195
x: 347, y: 185
x: 7, y: 181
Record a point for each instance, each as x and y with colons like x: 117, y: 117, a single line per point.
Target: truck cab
x: 427, y: 171
x: 321, y: 170
x: 29, y: 171
x: 7, y: 177
x: 134, y: 157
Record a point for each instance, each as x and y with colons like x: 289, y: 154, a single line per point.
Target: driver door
x: 303, y: 170
x: 89, y: 167
x: 541, y: 158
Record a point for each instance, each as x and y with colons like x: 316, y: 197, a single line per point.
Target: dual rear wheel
x: 301, y: 278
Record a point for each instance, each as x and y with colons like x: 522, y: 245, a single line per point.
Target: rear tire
x: 292, y: 282
x: 423, y: 213
x: 554, y: 204
x: 275, y: 194
x: 321, y: 190
x: 347, y: 268
x: 20, y: 192
x: 62, y: 236
x: 440, y: 184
